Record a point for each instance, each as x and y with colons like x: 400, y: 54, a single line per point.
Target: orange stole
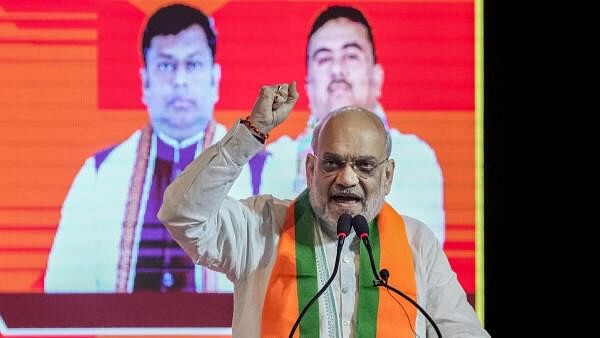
x: 398, y: 260
x: 280, y: 308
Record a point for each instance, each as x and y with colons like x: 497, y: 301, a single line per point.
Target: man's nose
x: 181, y: 77
x: 347, y: 177
x: 338, y: 67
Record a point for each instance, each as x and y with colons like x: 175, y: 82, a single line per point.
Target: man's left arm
x: 446, y: 300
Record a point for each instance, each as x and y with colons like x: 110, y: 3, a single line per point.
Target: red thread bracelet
x: 252, y: 127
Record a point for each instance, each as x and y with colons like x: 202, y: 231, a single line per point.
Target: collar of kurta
x: 293, y: 280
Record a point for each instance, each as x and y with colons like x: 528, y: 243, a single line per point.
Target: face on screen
x: 180, y: 82
x: 337, y: 187
x: 341, y: 71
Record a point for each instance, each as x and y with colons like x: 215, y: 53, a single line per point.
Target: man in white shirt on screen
x: 109, y: 239
x: 342, y: 70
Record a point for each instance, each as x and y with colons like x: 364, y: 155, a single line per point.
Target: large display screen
x: 81, y: 252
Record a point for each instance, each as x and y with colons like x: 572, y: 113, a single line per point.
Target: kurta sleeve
x: 215, y: 230
x: 70, y: 267
x: 446, y: 300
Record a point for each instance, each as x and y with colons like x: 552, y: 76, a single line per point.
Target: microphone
x: 360, y: 225
x: 385, y: 275
x: 344, y: 224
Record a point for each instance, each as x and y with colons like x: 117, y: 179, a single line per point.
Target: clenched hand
x: 273, y: 105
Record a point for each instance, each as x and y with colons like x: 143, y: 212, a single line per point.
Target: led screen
x: 73, y: 91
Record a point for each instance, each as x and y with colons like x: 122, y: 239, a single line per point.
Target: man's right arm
x: 197, y: 211
x: 70, y: 265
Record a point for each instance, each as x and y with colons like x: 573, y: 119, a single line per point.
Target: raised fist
x: 273, y: 105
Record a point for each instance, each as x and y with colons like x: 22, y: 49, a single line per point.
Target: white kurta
x: 86, y: 248
x: 240, y: 238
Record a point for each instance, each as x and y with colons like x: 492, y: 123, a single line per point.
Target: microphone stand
x: 365, y: 240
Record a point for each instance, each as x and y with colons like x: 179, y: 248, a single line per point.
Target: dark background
x: 503, y: 114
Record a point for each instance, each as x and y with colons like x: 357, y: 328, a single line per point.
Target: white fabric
x: 240, y: 238
x: 417, y: 190
x: 85, y: 252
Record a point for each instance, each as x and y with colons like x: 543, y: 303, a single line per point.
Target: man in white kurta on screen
x: 343, y: 69
x: 108, y: 238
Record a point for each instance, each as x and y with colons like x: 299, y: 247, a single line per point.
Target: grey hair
x: 388, y: 138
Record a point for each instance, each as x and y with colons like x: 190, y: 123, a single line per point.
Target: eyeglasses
x: 364, y: 168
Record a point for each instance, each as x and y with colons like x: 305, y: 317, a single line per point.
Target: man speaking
x: 279, y: 252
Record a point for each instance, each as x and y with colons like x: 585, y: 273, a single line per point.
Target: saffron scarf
x: 293, y: 280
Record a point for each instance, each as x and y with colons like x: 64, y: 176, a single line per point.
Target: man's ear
x: 307, y: 88
x: 216, y: 80
x: 388, y: 175
x: 144, y: 77
x: 145, y: 82
x: 378, y: 77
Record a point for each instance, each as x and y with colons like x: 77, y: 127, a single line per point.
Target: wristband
x: 262, y: 137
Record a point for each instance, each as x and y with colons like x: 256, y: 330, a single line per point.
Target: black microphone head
x: 344, y: 224
x: 361, y: 226
x: 385, y: 274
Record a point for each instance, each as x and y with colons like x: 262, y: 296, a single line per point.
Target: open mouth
x: 346, y: 199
